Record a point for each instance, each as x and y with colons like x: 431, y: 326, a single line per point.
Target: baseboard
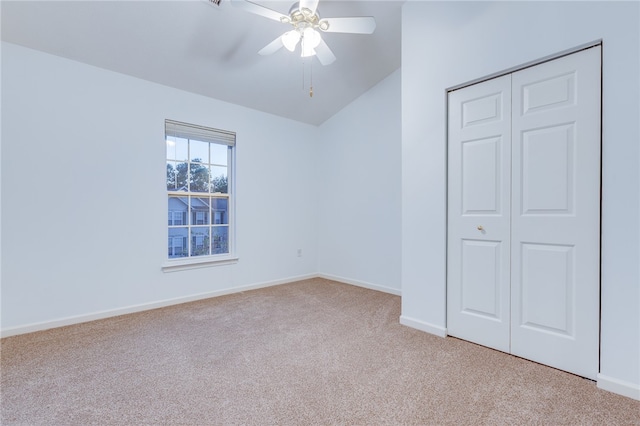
x: 621, y: 387
x: 363, y: 284
x: 423, y: 326
x: 62, y: 322
x: 46, y: 325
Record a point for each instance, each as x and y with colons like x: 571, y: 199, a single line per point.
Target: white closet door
x: 479, y: 210
x: 555, y: 240
x: 523, y: 248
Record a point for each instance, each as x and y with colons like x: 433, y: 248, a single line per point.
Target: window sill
x: 204, y: 262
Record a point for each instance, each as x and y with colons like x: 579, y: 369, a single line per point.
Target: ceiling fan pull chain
x: 311, y: 78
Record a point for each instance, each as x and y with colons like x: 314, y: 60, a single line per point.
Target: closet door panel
x: 555, y: 239
x: 478, y: 213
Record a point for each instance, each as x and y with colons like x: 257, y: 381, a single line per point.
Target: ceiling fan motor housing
x: 304, y: 18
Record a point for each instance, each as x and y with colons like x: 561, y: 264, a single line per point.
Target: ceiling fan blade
x: 260, y: 10
x: 354, y: 25
x: 312, y: 5
x: 324, y: 54
x: 272, y: 47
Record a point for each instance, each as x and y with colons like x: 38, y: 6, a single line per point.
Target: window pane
x: 171, y: 176
x: 179, y: 170
x: 200, y: 210
x: 219, y: 154
x: 178, y: 242
x: 199, y: 178
x: 199, y: 151
x: 220, y: 239
x: 178, y: 207
x: 220, y: 211
x: 177, y: 149
x: 219, y: 181
x: 199, y: 241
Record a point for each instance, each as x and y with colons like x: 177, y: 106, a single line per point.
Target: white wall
x: 0, y: 180
x: 84, y: 202
x: 449, y: 43
x: 359, y: 190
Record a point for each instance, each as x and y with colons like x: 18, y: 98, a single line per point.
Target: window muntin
x: 199, y: 165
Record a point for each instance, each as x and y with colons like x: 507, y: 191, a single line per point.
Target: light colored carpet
x: 312, y: 352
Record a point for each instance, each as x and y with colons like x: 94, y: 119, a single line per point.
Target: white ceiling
x: 211, y: 50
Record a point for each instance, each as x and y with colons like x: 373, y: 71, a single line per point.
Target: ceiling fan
x: 307, y: 27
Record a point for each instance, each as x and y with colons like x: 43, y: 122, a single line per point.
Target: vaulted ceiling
x: 196, y: 46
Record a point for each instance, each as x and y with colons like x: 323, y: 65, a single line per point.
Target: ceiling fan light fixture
x: 307, y: 52
x: 311, y: 37
x: 290, y: 39
x: 310, y: 40
x: 323, y: 25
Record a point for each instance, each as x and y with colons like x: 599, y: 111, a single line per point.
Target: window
x: 177, y: 218
x: 218, y: 217
x: 201, y: 217
x: 199, y: 191
x: 176, y: 246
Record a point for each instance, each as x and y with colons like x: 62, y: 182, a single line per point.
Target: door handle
x: 480, y: 228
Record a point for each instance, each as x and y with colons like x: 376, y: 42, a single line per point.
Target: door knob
x: 480, y: 228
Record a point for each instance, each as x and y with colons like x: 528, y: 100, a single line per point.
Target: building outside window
x: 199, y: 190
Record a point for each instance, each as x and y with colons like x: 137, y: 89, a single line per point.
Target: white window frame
x: 222, y: 137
